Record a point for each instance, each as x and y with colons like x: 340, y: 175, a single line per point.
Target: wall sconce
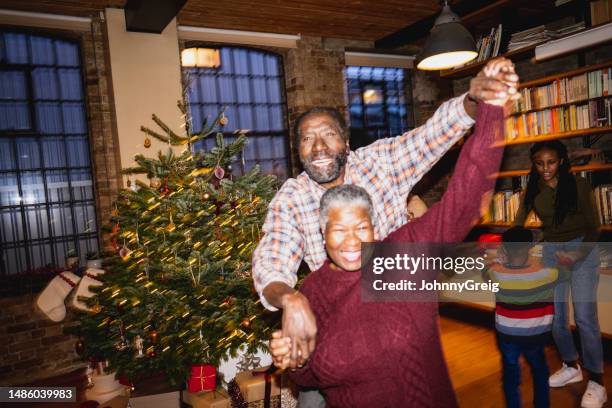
x: 201, y: 58
x: 449, y: 43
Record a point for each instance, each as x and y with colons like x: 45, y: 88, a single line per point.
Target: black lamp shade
x: 449, y: 44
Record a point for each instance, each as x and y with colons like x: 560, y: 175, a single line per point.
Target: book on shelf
x: 592, y: 114
x: 592, y: 84
x: 603, y: 201
x: 503, y: 208
x: 488, y: 46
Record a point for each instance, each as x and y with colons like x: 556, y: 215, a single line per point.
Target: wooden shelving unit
x: 574, y: 169
x: 561, y: 75
x: 559, y: 135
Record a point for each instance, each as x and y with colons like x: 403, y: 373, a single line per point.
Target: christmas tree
x: 177, y: 288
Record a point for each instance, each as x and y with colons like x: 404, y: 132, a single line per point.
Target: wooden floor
x: 475, y: 365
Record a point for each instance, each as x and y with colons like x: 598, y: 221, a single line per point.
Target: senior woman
x: 387, y: 354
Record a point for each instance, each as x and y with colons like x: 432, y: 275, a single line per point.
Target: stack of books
x: 488, y: 46
x: 540, y: 34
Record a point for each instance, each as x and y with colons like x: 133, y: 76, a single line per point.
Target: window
x: 379, y: 103
x: 47, y: 203
x: 249, y: 85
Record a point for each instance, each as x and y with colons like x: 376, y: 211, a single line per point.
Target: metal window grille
x: 249, y: 85
x: 47, y: 204
x: 379, y: 101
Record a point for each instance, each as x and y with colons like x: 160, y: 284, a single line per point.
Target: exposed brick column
x: 103, y: 141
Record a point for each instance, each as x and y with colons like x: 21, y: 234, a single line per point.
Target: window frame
x: 20, y: 210
x: 283, y: 97
x: 407, y: 83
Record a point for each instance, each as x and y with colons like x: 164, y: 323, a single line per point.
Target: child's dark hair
x: 517, y: 241
x: 566, y: 200
x: 517, y: 234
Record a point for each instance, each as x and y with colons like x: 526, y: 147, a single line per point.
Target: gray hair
x: 343, y: 196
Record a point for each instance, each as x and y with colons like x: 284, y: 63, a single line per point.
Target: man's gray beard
x: 327, y: 176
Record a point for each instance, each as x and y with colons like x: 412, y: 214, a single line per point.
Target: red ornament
x: 79, y: 346
x: 203, y: 378
x: 151, y: 353
x: 219, y: 172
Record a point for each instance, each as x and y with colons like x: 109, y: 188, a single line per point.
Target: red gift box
x: 203, y: 378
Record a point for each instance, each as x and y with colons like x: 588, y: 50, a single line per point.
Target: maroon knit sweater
x: 389, y: 354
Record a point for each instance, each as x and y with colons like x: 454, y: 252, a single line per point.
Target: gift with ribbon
x: 257, y: 385
x: 207, y: 399
x: 203, y: 378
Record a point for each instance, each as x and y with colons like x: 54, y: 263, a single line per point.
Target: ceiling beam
x: 151, y: 16
x: 422, y: 27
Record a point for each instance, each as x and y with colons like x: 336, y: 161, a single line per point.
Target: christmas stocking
x: 51, y: 299
x: 90, y: 278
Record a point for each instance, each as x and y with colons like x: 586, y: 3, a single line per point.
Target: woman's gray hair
x: 343, y: 196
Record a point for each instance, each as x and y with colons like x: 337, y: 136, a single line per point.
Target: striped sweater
x: 524, y: 304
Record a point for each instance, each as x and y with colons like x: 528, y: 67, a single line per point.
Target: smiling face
x: 547, y: 162
x: 347, y: 227
x: 323, y: 149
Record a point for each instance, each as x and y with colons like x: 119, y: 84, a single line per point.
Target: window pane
x: 27, y: 152
x: 70, y: 84
x: 9, y: 191
x: 16, y: 48
x: 12, y: 225
x: 37, y: 222
x: 14, y: 259
x: 74, y: 118
x: 7, y: 161
x: 13, y: 85
x: 82, y: 184
x: 49, y: 117
x: 61, y: 221
x: 14, y: 116
x: 78, y: 151
x: 32, y: 187
x: 41, y: 255
x: 67, y: 54
x: 45, y: 83
x: 54, y: 153
x: 85, y: 218
x: 42, y: 51
x: 58, y: 189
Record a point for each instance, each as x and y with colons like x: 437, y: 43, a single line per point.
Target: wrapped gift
x: 252, y: 384
x: 155, y: 391
x: 207, y: 399
x: 203, y: 378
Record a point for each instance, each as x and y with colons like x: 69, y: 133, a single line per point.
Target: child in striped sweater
x: 523, y: 315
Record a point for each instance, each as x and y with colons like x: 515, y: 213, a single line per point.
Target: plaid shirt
x: 386, y: 169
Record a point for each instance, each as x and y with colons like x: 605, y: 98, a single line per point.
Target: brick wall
x: 31, y: 346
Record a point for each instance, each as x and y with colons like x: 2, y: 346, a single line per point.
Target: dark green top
x: 583, y: 223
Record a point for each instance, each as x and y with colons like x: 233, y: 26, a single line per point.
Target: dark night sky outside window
x: 47, y: 204
x: 379, y: 103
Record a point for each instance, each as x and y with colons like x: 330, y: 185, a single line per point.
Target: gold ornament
x: 246, y: 323
x: 147, y: 142
x: 206, y: 196
x: 155, y: 183
x: 223, y: 121
x: 96, y: 308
